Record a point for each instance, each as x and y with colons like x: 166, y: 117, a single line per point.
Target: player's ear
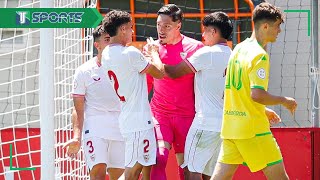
x: 96, y: 45
x: 265, y: 26
x: 122, y: 28
x: 213, y: 31
x: 179, y: 26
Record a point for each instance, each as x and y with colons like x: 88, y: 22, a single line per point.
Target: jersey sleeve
x: 137, y: 60
x: 259, y: 74
x: 79, y: 88
x: 200, y: 60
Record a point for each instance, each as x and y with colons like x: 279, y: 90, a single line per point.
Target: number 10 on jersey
x: 234, y: 74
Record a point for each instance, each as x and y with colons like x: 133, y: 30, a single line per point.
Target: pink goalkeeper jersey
x: 175, y: 96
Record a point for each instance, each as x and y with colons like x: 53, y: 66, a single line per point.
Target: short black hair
x: 172, y: 11
x: 266, y: 12
x: 113, y: 20
x: 97, y: 32
x: 221, y: 21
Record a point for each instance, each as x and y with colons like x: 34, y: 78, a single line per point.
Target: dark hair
x: 266, y: 12
x: 221, y: 21
x: 113, y: 20
x: 172, y: 11
x: 97, y: 32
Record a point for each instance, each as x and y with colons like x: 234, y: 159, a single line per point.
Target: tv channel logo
x: 22, y: 17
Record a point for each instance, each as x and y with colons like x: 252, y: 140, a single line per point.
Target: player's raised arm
x: 178, y: 70
x: 155, y: 68
x: 200, y: 60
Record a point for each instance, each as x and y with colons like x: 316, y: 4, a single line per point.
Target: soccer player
x: 173, y: 100
x: 209, y: 65
x: 95, y: 117
x: 126, y: 67
x: 246, y: 133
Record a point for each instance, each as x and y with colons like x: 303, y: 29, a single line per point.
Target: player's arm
x: 263, y: 97
x: 258, y: 76
x: 73, y: 145
x: 154, y: 72
x: 178, y: 70
x: 155, y: 68
x: 200, y: 60
x: 78, y: 117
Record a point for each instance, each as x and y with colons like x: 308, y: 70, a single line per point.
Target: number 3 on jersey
x: 113, y: 77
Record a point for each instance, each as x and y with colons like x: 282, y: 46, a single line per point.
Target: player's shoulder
x: 220, y: 48
x: 205, y: 50
x: 191, y: 41
x: 88, y: 65
x: 250, y: 47
x: 131, y: 49
x: 256, y: 47
x: 240, y: 45
x: 214, y: 49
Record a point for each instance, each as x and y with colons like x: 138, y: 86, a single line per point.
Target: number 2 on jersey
x: 113, y: 77
x: 146, y: 146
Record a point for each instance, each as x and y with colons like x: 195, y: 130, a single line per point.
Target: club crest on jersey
x: 183, y: 55
x: 146, y: 157
x: 261, y: 73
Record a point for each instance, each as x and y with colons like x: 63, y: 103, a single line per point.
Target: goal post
x: 46, y: 97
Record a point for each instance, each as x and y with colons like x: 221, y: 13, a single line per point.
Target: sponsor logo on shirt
x: 96, y: 78
x: 235, y: 113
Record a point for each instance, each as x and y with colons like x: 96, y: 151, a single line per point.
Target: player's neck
x: 221, y: 41
x: 259, y: 36
x: 176, y: 39
x: 99, y: 56
x: 117, y: 40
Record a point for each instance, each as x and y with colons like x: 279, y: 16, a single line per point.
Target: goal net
x: 290, y: 62
x: 20, y: 123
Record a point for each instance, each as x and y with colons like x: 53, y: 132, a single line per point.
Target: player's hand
x: 290, y: 104
x: 73, y: 147
x: 151, y: 45
x: 273, y: 117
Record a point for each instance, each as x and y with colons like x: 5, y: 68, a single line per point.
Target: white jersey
x: 125, y: 66
x: 209, y: 64
x: 102, y: 106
